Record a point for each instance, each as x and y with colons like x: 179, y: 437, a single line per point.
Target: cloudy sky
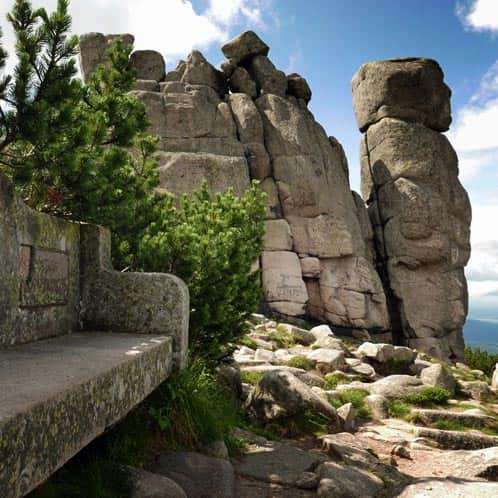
x: 326, y: 41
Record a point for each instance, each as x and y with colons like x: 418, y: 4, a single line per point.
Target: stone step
x: 58, y: 394
x: 472, y: 418
x: 457, y: 440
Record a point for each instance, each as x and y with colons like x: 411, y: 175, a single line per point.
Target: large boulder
x: 245, y: 46
x: 411, y: 89
x: 199, y: 475
x: 396, y: 386
x: 281, y: 394
x: 438, y: 376
x: 148, y: 64
x: 344, y: 481
x: 198, y: 71
x: 267, y: 77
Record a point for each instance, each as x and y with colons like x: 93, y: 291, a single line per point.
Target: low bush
x: 211, y: 242
x: 191, y: 410
x: 398, y: 409
x: 357, y: 398
x: 430, y: 396
x: 478, y: 359
x: 301, y: 362
x: 251, y: 377
x: 334, y: 379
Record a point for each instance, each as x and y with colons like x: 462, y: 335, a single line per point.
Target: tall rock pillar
x: 420, y: 212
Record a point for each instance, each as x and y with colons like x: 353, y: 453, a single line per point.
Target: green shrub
x: 357, y: 398
x: 251, y: 377
x: 428, y: 397
x: 398, y: 409
x: 301, y: 362
x: 248, y: 342
x: 191, y: 410
x: 334, y: 379
x: 211, y: 242
x: 281, y: 338
x: 478, y: 359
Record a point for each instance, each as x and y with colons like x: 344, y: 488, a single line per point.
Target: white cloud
x: 479, y: 15
x: 482, y: 270
x: 172, y: 27
x: 474, y: 132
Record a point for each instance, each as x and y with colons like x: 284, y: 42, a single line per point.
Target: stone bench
x: 80, y: 343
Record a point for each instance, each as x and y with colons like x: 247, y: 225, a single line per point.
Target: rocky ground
x: 344, y: 417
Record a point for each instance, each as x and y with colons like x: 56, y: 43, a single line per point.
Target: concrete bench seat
x: 61, y: 383
x: 58, y: 394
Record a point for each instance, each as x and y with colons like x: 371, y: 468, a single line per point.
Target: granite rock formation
x: 420, y: 212
x: 250, y: 121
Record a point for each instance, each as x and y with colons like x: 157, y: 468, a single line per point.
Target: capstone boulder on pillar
x: 419, y: 210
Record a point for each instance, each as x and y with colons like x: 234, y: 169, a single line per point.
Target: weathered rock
x: 396, y: 386
x: 199, y: 475
x: 148, y: 485
x: 475, y: 464
x: 439, y: 376
x: 241, y: 82
x: 298, y: 87
x: 458, y: 440
x: 278, y: 236
x: 267, y: 78
x: 327, y: 360
x: 403, y: 354
x: 247, y: 119
x: 310, y: 267
x: 347, y: 415
x: 244, y: 46
x: 341, y: 481
x: 264, y: 355
x: 411, y: 89
x: 378, y: 406
x: 282, y: 281
x: 476, y: 389
x: 456, y: 488
x: 281, y: 394
x: 147, y: 85
x: 93, y: 48
x: 277, y: 463
x: 198, y: 71
x: 148, y: 64
x: 419, y: 209
x: 216, y: 449
x: 378, y: 352
x: 468, y: 418
x: 365, y: 370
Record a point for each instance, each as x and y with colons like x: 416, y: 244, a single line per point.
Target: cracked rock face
x: 419, y: 210
x: 250, y: 121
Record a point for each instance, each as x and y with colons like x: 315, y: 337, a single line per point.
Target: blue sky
x: 326, y: 41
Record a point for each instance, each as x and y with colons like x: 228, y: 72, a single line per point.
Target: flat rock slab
x: 450, y: 487
x: 57, y: 395
x: 458, y: 440
x: 276, y: 463
x: 200, y: 476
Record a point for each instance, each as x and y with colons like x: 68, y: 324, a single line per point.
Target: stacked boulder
x: 420, y: 212
x: 250, y: 121
x: 316, y: 259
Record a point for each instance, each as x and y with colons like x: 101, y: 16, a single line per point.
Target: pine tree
x: 74, y: 150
